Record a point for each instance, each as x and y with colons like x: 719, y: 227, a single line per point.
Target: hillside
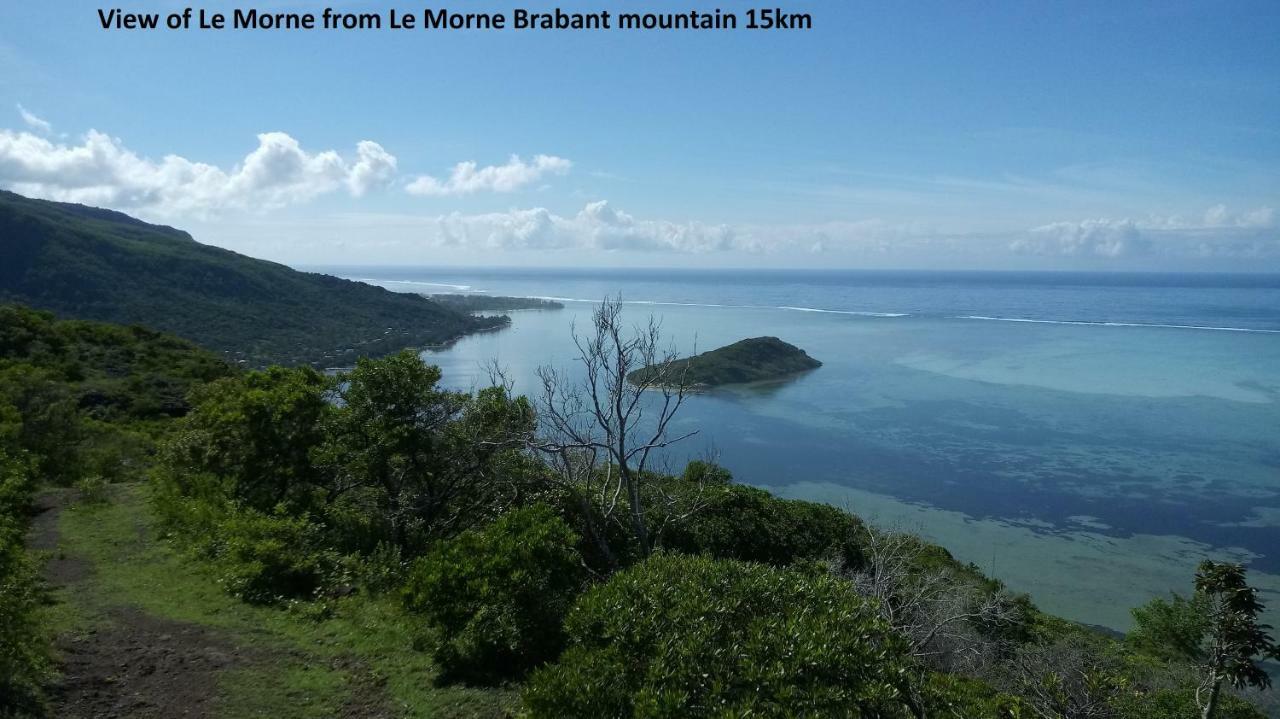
x: 109, y: 372
x: 749, y: 360
x: 97, y: 264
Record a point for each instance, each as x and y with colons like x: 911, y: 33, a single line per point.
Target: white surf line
x: 857, y: 313
x: 554, y: 298
x: 1118, y: 324
x: 846, y: 312
x: 371, y: 280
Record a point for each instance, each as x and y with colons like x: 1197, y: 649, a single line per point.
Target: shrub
x: 266, y: 558
x: 24, y: 659
x: 693, y: 636
x: 950, y: 696
x: 740, y: 522
x: 255, y: 434
x: 1179, y: 704
x: 93, y: 489
x: 383, y: 570
x: 1171, y: 629
x: 494, y: 599
x: 24, y: 651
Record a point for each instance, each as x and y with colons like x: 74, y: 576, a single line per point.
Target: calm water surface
x: 1086, y: 438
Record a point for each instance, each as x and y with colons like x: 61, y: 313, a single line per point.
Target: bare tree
x: 601, y: 432
x: 939, y: 614
x: 1066, y: 679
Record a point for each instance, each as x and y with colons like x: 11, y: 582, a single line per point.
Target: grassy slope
x: 96, y: 264
x: 315, y: 665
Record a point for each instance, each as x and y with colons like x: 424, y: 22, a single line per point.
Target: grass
x: 304, y: 667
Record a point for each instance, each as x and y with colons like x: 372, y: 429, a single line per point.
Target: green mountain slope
x: 101, y: 265
x: 749, y: 360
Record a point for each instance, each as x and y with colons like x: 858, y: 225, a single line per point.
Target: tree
x: 433, y: 460
x: 1235, y: 639
x: 249, y: 440
x: 602, y: 431
x: 51, y: 429
x: 950, y: 622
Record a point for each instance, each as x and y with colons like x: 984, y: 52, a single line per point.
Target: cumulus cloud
x: 374, y: 168
x: 1219, y: 216
x: 35, y: 122
x: 100, y: 170
x: 1217, y: 232
x: 597, y: 226
x: 468, y: 177
x: 601, y: 226
x: 1097, y: 238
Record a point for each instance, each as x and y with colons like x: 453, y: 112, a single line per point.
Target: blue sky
x: 1074, y: 135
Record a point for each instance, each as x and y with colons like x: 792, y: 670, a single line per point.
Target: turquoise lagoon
x: 1085, y: 438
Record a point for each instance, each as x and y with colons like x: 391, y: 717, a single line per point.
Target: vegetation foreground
x: 178, y: 536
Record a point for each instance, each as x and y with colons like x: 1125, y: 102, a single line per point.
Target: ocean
x: 1086, y: 438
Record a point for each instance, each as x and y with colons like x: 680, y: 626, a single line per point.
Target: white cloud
x: 597, y: 226
x: 35, y: 122
x: 101, y: 170
x: 1217, y: 232
x: 374, y: 168
x: 1097, y: 238
x: 467, y: 177
x: 600, y: 226
x: 1219, y: 216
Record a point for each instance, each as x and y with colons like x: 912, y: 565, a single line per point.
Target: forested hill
x: 89, y: 263
x: 750, y: 360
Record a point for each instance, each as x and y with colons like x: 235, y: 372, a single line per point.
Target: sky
x: 926, y: 135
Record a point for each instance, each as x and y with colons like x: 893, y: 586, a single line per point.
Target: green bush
x: 254, y: 433
x: 1172, y: 629
x: 383, y: 570
x: 24, y: 649
x: 93, y: 489
x: 740, y: 522
x: 267, y: 558
x: 949, y: 696
x: 681, y: 636
x: 494, y: 599
x: 1180, y: 704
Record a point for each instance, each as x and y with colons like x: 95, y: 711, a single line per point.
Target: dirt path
x: 132, y: 664
x: 141, y: 666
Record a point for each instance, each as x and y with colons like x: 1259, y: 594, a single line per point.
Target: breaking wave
x: 1117, y: 324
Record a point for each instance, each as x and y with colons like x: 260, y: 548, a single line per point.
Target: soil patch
x: 141, y: 666
x: 60, y: 570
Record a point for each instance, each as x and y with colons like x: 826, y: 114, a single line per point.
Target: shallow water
x: 1090, y: 457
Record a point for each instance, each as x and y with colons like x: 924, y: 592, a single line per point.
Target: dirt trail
x: 142, y: 666
x: 134, y: 664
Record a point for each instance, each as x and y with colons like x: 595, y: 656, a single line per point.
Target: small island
x: 750, y: 360
x: 493, y: 303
